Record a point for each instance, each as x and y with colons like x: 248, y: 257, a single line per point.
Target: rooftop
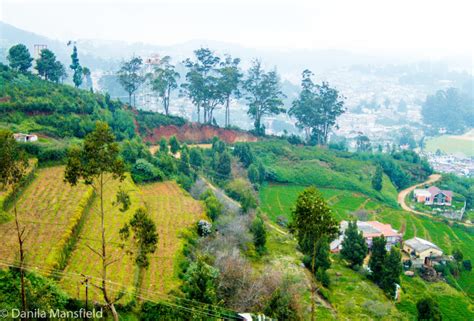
x: 421, y: 245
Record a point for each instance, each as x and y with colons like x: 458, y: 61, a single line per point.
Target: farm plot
x: 45, y: 209
x: 122, y: 273
x: 173, y: 212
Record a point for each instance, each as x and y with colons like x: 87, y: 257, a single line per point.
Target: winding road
x: 403, y: 194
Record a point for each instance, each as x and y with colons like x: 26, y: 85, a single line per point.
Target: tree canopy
x: 19, y: 58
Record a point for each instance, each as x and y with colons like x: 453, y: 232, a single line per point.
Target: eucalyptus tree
x: 202, y: 84
x: 229, y: 82
x: 317, y: 108
x: 97, y: 163
x: 263, y: 94
x: 164, y: 81
x: 130, y: 76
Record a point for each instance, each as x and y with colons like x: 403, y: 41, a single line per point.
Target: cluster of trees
x: 450, y: 109
x: 211, y: 82
x: 47, y: 65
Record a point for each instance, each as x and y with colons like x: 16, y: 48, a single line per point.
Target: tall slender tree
x: 130, y: 77
x: 76, y: 68
x: 13, y: 165
x: 312, y: 219
x: 86, y: 72
x: 19, y: 58
x: 97, y: 162
x: 229, y: 82
x: 377, y: 258
x: 354, y: 248
x: 263, y: 94
x: 377, y: 178
x: 165, y: 81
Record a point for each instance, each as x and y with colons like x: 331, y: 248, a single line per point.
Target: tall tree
x: 224, y: 165
x: 130, y: 76
x: 144, y: 234
x: 263, y: 94
x: 86, y: 72
x: 363, y: 143
x: 229, y: 82
x: 174, y: 144
x: 13, y: 165
x: 200, y: 282
x: 317, y: 108
x: 391, y: 271
x: 165, y: 81
x: 377, y: 258
x: 377, y: 178
x: 19, y: 58
x: 97, y: 162
x: 354, y: 248
x: 259, y: 234
x: 76, y: 68
x: 312, y: 219
x: 202, y: 83
x: 48, y: 67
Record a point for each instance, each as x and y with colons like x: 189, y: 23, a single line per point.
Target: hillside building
x: 369, y: 230
x: 433, y: 196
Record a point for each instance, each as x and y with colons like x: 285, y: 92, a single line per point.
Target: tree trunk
x: 22, y: 260
x: 104, y: 253
x: 227, y: 112
x: 130, y: 99
x: 313, y: 287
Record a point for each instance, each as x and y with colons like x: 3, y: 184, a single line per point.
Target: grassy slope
x: 45, y: 209
x: 277, y: 200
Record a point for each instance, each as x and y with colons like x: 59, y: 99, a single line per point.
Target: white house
x: 23, y: 138
x: 422, y: 249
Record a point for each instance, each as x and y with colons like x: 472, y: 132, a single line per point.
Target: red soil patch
x: 198, y: 133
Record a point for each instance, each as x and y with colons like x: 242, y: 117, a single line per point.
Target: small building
x: 422, y: 249
x: 433, y: 196
x: 24, y: 138
x: 369, y: 230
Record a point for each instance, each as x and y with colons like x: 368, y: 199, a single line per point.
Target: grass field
x: 453, y: 144
x: 45, y: 209
x: 277, y: 200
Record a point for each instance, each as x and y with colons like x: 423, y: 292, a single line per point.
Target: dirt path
x: 403, y: 194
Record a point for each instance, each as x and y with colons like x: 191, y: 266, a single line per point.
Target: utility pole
x: 86, y: 284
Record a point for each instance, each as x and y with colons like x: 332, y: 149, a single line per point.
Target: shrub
x: 204, y: 228
x: 467, y: 265
x: 143, y: 171
x: 240, y: 190
x: 213, y: 206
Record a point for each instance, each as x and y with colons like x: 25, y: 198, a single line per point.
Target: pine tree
x: 259, y: 235
x: 377, y: 258
x: 174, y: 144
x: 224, y: 166
x: 76, y: 67
x: 391, y: 271
x: 377, y: 179
x: 184, y: 162
x: 354, y: 248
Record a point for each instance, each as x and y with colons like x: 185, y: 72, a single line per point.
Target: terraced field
x: 46, y: 209
x: 173, y: 211
x: 122, y: 274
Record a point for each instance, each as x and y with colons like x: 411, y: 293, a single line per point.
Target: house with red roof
x: 369, y: 230
x: 433, y: 196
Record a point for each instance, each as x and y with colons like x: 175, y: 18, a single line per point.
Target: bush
x: 143, y: 171
x: 213, y: 206
x: 467, y: 265
x: 204, y: 228
x: 240, y: 190
x: 323, y: 277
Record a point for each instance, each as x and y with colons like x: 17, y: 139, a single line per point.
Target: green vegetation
x: 451, y: 144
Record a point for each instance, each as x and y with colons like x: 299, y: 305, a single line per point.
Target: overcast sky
x: 441, y: 27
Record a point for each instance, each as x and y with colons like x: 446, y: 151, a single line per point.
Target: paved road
x: 403, y: 194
